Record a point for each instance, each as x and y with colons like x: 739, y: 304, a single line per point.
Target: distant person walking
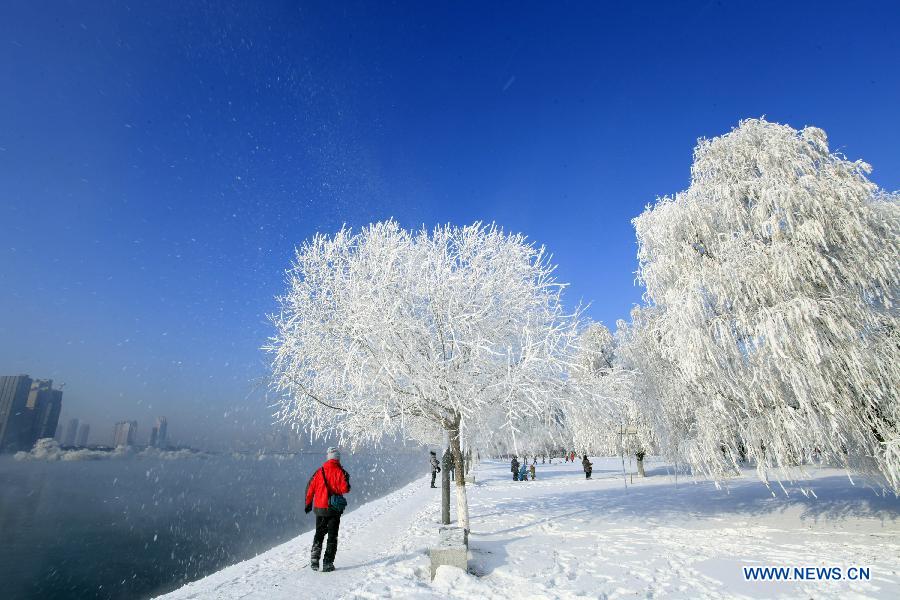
x: 514, y: 466
x: 588, y: 467
x: 325, y: 495
x: 435, y: 467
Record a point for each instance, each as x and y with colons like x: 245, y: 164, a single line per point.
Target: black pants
x: 326, y: 524
x: 433, y: 475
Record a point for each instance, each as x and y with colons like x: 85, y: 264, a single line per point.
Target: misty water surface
x: 134, y: 527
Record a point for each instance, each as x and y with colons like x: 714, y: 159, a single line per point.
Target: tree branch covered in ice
x: 771, y: 327
x: 387, y: 331
x: 604, y: 417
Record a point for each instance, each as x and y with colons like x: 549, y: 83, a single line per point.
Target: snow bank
x: 562, y: 536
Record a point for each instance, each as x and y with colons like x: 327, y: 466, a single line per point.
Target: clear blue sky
x: 160, y: 160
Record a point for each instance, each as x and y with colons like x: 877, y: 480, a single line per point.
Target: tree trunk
x: 445, y: 489
x: 462, y: 503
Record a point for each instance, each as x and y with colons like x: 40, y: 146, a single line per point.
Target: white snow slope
x: 564, y: 537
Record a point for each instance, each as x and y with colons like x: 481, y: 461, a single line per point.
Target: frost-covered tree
x: 391, y: 332
x: 534, y: 435
x: 603, y: 407
x: 771, y: 325
x: 662, y: 420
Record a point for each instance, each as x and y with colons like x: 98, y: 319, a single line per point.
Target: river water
x: 139, y: 526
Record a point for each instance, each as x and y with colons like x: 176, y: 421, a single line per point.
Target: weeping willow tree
x: 771, y: 324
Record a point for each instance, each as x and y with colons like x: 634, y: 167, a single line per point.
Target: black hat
x: 433, y: 452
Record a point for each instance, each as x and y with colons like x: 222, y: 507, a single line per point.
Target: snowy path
x: 564, y: 537
x: 368, y: 540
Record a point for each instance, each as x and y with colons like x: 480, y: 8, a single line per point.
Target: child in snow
x: 523, y: 472
x: 588, y: 467
x: 531, y: 469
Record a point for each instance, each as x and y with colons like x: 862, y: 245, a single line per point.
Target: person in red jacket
x: 325, y: 495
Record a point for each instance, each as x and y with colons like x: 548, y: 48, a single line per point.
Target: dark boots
x: 314, y: 555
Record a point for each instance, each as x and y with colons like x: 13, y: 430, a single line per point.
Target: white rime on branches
x: 771, y: 325
x: 391, y: 332
x: 603, y: 399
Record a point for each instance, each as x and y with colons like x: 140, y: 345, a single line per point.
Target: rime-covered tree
x: 605, y: 416
x: 771, y: 285
x: 662, y: 420
x: 387, y: 331
x: 534, y: 435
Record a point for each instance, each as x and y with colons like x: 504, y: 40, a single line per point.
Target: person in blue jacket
x: 523, y: 470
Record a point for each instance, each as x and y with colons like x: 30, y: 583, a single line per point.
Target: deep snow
x: 562, y: 536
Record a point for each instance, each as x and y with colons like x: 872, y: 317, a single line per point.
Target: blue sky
x: 159, y: 161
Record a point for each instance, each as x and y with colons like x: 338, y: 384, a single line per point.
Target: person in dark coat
x: 329, y: 481
x: 588, y: 466
x: 514, y: 465
x: 435, y: 467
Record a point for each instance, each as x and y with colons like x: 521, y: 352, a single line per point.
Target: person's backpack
x: 336, y: 502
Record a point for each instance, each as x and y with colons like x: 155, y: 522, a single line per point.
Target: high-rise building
x: 125, y: 433
x: 83, y: 431
x: 158, y: 437
x: 45, y: 404
x: 71, y: 433
x: 15, y: 418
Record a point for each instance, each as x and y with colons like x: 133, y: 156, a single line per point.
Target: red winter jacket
x: 317, y: 493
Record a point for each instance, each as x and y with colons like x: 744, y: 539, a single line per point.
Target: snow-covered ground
x: 562, y: 536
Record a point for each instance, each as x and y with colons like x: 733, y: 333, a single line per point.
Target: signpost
x: 623, y: 431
